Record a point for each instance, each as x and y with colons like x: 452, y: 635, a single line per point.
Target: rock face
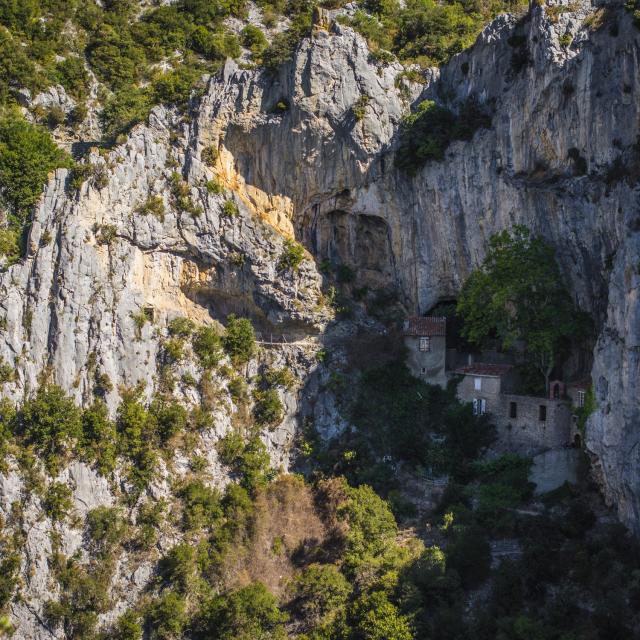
x: 559, y: 158
x: 309, y: 153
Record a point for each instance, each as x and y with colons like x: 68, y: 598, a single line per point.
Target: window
x: 542, y: 413
x: 479, y: 406
x: 581, y: 396
x: 513, y: 409
x: 423, y: 371
x: 477, y: 384
x: 425, y: 343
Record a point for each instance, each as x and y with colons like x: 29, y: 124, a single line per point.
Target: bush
x: 268, y: 410
x: 292, y: 255
x: 52, y: 422
x: 166, y: 617
x: 376, y: 618
x: 209, y: 155
x: 230, y: 209
x: 201, y: 505
x: 181, y: 327
x: 320, y: 594
x: 254, y: 39
x: 426, y: 134
x: 9, y: 567
x: 207, y: 345
x: 106, y: 529
x: 239, y: 339
x: 99, y: 437
x: 170, y: 418
x: 470, y: 556
x: 57, y: 501
x: 127, y: 627
x: 153, y: 205
x: 178, y: 568
x: 246, y: 614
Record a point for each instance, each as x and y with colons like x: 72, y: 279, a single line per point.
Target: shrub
x: 166, y: 617
x: 426, y: 134
x: 52, y: 422
x: 181, y: 327
x: 207, y: 345
x: 376, y: 618
x: 253, y: 39
x: 178, y: 568
x: 248, y: 613
x: 268, y: 410
x: 9, y: 567
x: 292, y: 255
x: 201, y: 505
x: 148, y: 521
x: 170, y: 418
x: 209, y: 155
x: 320, y: 594
x: 57, y: 501
x: 230, y: 209
x: 127, y: 627
x: 240, y: 339
x: 99, y: 438
x: 122, y: 111
x: 470, y: 556
x: 106, y: 529
x: 153, y: 205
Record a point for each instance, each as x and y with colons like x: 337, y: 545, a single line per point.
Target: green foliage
x: 148, y: 521
x: 426, y: 134
x: 320, y: 594
x: 426, y: 32
x: 166, y: 617
x: 201, y: 505
x: 178, y: 568
x: 209, y: 155
x: 52, y: 423
x: 106, y: 529
x: 376, y: 618
x: 27, y: 156
x: 248, y: 460
x: 99, y: 437
x: 84, y: 595
x: 246, y: 614
x: 470, y: 556
x: 239, y: 340
x: 153, y: 205
x: 127, y: 627
x: 518, y: 293
x: 181, y: 327
x: 268, y: 410
x: 230, y: 209
x: 57, y: 501
x: 292, y: 255
x: 633, y: 6
x: 207, y: 345
x: 170, y: 418
x: 587, y: 409
x: 253, y: 38
x: 9, y: 567
x: 283, y: 45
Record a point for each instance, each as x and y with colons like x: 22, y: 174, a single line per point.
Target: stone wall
x: 427, y: 365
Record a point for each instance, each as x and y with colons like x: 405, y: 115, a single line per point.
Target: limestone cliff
x: 309, y: 152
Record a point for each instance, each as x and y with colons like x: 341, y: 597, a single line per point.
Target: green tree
x: 207, y: 345
x: 240, y: 339
x: 250, y: 613
x: 53, y: 423
x: 99, y: 439
x: 518, y: 293
x: 376, y: 618
x: 167, y: 616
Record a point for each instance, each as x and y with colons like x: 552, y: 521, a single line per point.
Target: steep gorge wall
x: 563, y: 127
x: 309, y: 152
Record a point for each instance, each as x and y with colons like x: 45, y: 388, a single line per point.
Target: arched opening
x: 577, y: 441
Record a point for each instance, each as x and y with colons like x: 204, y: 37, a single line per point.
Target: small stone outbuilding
x: 426, y: 343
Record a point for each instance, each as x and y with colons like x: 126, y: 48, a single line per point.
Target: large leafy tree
x: 518, y: 294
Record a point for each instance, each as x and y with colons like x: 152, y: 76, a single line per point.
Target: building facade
x: 426, y: 342
x: 525, y: 424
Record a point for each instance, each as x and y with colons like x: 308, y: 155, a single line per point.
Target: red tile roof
x: 485, y: 369
x: 420, y: 326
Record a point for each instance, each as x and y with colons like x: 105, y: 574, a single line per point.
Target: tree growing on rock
x: 518, y: 295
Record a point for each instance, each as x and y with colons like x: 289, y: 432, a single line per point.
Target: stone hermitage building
x: 525, y: 424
